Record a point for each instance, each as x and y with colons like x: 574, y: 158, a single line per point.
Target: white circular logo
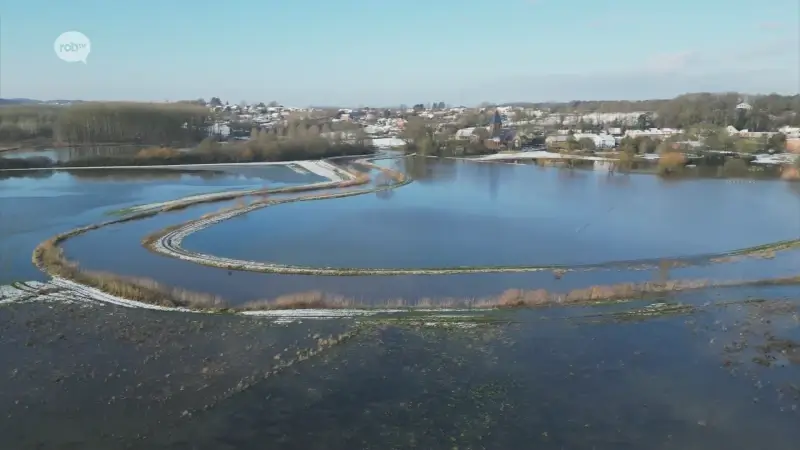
x: 72, y: 46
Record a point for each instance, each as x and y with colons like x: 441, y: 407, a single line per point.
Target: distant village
x: 505, y: 128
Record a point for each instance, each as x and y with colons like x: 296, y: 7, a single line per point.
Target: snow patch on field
x: 325, y: 170
x: 91, y: 293
x: 189, y: 199
x: 65, y: 291
x: 318, y: 313
x: 321, y: 168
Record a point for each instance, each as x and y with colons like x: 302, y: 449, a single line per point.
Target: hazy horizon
x: 352, y: 52
x: 409, y: 104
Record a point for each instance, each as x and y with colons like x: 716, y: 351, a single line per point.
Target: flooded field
x: 100, y: 376
x: 461, y: 217
x: 39, y: 204
x: 466, y: 214
x: 712, y: 368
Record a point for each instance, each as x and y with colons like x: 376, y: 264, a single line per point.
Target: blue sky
x: 359, y: 52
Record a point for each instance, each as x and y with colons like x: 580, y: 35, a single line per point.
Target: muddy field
x: 706, y: 370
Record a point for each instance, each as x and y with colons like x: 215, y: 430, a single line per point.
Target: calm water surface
x: 37, y: 205
x: 549, y: 378
x: 65, y: 154
x: 256, y: 230
x: 468, y: 214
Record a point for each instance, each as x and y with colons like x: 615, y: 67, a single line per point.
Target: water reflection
x: 794, y: 187
x: 22, y: 174
x: 383, y: 180
x: 461, y: 217
x: 494, y: 181
x: 72, y: 153
x: 36, y: 205
x: 141, y: 175
x: 616, y: 179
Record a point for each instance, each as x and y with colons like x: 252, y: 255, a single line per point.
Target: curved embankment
x: 336, y: 175
x: 110, y: 288
x: 49, y: 257
x: 168, y: 242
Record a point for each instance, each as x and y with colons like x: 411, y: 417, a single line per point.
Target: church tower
x: 497, y: 123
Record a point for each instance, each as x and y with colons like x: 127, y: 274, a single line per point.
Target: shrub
x: 671, y: 162
x: 157, y: 153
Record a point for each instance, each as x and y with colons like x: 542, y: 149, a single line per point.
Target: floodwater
x: 469, y: 214
x: 64, y: 154
x: 408, y: 229
x: 37, y: 205
x: 581, y: 378
x: 712, y: 369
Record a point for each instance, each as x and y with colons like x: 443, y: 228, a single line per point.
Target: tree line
x: 208, y: 152
x: 718, y: 139
x: 106, y: 122
x: 711, y: 109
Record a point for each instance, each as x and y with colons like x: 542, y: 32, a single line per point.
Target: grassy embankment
x: 49, y: 256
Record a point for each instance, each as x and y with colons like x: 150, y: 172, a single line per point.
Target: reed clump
x: 599, y: 293
x: 157, y: 153
x: 301, y: 300
x: 395, y: 175
x: 671, y: 163
x: 50, y: 257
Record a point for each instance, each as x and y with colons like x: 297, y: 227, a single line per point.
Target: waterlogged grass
x: 373, y: 383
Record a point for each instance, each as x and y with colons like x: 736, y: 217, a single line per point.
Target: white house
x: 600, y: 140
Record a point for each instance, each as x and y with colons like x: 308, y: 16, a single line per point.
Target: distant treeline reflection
x: 209, y: 152
x: 115, y: 175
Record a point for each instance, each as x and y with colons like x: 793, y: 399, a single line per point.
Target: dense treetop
x: 717, y: 109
